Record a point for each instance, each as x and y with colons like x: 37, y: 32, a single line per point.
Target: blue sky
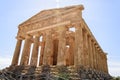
x: 102, y: 17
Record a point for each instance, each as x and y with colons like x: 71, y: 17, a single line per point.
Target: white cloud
x: 114, y: 68
x: 5, y: 62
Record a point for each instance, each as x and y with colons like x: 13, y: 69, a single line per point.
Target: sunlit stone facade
x: 58, y: 37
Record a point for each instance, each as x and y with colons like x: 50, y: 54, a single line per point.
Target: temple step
x: 54, y: 71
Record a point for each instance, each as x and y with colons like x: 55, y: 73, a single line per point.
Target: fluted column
x: 42, y: 51
x: 17, y: 52
x: 92, y: 64
x: 34, y: 57
x: 26, y: 51
x: 102, y: 62
x: 85, y: 40
x: 104, y: 59
x: 72, y: 47
x: 48, y: 51
x: 93, y: 54
x: 61, y: 46
x: 90, y: 53
x: 67, y: 56
x: 99, y: 61
x: 96, y: 58
x: 106, y: 65
x: 78, y: 56
x: 84, y: 49
x: 89, y: 50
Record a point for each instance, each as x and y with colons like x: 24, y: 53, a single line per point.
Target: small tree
x: 63, y: 73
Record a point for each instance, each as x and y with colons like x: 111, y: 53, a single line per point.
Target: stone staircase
x: 54, y: 71
x: 72, y: 71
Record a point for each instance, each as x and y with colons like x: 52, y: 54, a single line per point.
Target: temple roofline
x: 71, y: 8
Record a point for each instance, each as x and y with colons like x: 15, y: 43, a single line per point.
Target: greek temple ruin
x: 58, y: 37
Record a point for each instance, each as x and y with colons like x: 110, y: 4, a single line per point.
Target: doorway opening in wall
x: 55, y: 51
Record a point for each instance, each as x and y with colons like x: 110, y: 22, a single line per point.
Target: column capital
x: 28, y: 36
x: 79, y: 25
x: 18, y: 38
x: 26, y: 51
x: 37, y: 35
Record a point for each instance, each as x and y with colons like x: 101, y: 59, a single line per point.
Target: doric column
x: 96, y: 58
x: 61, y: 46
x: 26, y: 51
x: 42, y: 51
x: 67, y: 56
x: 71, y: 50
x: 48, y: 51
x: 102, y: 62
x: 99, y: 61
x: 93, y: 54
x: 84, y: 49
x: 34, y: 56
x: 78, y: 56
x: 85, y: 41
x: 90, y: 52
x: 103, y: 57
x: 17, y: 52
x: 106, y: 66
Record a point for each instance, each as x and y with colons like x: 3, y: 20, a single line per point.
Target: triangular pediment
x: 46, y: 14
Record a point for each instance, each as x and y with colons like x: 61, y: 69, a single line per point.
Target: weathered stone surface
x: 78, y: 45
x: 60, y: 44
x: 52, y: 72
x: 48, y: 51
x: 26, y: 51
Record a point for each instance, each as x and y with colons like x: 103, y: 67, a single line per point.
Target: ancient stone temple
x: 58, y: 37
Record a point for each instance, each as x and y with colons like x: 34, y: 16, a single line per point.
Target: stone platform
x: 51, y: 73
